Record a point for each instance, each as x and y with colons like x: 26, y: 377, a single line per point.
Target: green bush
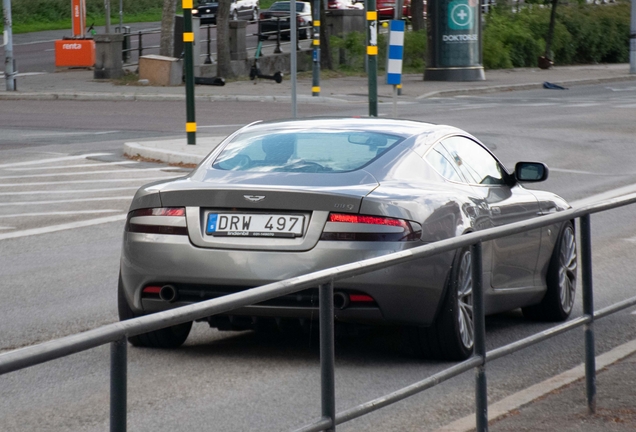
x: 348, y: 53
x: 582, y: 34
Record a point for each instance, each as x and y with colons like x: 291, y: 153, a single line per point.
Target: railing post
x: 140, y: 48
x: 118, y: 384
x: 208, y: 58
x: 327, y: 354
x: 277, y: 50
x: 479, y: 320
x: 588, y: 309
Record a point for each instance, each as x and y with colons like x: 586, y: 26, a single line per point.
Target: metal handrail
x: 117, y: 333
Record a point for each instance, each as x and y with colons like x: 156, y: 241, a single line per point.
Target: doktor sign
x: 454, y: 37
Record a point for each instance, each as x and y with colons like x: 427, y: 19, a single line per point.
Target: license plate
x: 207, y: 16
x: 254, y: 225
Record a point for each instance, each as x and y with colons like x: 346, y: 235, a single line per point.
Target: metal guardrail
x: 141, y: 49
x: 116, y: 333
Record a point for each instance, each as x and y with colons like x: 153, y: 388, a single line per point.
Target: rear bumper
x: 408, y: 293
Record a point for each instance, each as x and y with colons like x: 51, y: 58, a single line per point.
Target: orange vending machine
x: 76, y: 51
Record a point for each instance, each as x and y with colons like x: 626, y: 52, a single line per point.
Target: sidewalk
x: 79, y: 85
x: 557, y: 404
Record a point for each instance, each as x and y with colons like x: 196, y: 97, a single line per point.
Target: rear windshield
x: 303, y: 151
x: 285, y: 6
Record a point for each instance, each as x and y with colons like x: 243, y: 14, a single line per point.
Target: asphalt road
x: 56, y: 284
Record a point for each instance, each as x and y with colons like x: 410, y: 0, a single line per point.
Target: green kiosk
x: 454, y: 40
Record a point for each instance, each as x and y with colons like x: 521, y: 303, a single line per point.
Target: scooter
x: 255, y: 71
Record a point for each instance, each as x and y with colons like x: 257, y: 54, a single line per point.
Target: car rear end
x: 227, y: 228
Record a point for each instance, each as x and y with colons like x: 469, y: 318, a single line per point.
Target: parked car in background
x: 277, y: 200
x: 278, y: 14
x: 386, y: 9
x: 345, y: 4
x: 239, y: 9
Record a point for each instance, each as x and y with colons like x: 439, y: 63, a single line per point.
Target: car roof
x: 402, y: 128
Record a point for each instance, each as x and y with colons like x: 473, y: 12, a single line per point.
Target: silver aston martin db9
x: 280, y: 199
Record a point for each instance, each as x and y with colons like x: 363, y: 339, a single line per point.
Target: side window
x: 475, y: 163
x: 443, y: 163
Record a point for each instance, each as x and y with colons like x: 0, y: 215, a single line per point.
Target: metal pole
x: 107, y: 12
x: 118, y: 384
x: 588, y: 309
x: 315, y: 83
x: 479, y: 320
x: 327, y: 354
x: 208, y: 58
x: 9, y: 72
x: 188, y: 41
x: 372, y: 57
x: 293, y: 54
x: 632, y: 41
x: 121, y: 16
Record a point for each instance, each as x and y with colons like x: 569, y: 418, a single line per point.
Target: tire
x: 170, y: 337
x: 561, y: 281
x: 452, y: 336
x: 303, y: 34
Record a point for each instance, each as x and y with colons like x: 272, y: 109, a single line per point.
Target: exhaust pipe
x: 168, y: 293
x: 340, y: 300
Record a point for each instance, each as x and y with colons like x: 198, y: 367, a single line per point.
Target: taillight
x: 261, y: 16
x: 161, y: 220
x: 353, y: 227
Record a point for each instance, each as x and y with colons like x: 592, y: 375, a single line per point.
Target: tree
x: 223, y: 65
x: 325, y: 51
x: 166, y: 44
x: 417, y: 15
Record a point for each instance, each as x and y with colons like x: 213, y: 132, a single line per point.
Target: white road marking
x: 141, y: 179
x: 65, y: 201
x: 221, y: 126
x: 6, y: 228
x: 40, y: 134
x: 585, y: 172
x: 73, y: 191
x: 633, y: 313
x: 622, y: 191
x: 23, y: 74
x: 62, y: 227
x: 34, y: 42
x: 59, y: 213
x: 59, y: 159
x: 581, y: 105
x: 83, y: 173
x: 624, y: 89
x: 86, y: 165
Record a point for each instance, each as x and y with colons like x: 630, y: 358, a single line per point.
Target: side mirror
x: 531, y: 171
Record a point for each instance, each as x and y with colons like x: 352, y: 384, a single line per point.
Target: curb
x: 519, y: 87
x: 78, y: 96
x: 70, y: 96
x: 132, y: 149
x: 531, y: 394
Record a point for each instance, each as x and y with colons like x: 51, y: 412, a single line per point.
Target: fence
x: 116, y: 334
x: 137, y: 44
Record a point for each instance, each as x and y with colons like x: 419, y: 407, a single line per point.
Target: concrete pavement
x: 556, y: 404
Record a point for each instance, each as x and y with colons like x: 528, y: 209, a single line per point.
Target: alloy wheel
x: 465, y: 301
x: 567, y: 270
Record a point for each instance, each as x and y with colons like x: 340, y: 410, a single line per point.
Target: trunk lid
x: 268, y: 208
